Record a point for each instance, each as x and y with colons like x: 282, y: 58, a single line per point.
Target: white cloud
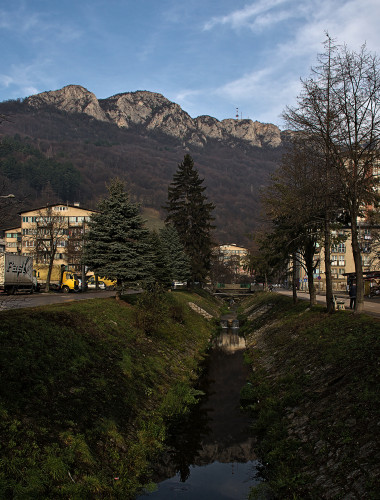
x: 251, y: 16
x: 24, y: 79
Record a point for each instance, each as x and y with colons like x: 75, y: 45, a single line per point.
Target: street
x: 19, y: 301
x: 371, y: 306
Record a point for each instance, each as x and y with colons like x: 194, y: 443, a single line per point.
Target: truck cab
x: 69, y: 283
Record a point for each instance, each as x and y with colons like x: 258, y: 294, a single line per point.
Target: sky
x: 212, y: 57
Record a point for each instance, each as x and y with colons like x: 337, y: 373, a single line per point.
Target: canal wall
x: 313, y: 398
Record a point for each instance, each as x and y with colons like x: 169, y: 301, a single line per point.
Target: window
x: 339, y: 248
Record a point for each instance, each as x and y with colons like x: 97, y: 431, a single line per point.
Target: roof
x: 51, y: 205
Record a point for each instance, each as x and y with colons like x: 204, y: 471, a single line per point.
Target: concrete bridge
x: 232, y: 288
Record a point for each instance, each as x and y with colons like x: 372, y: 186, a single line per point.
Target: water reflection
x: 230, y: 341
x: 213, y: 439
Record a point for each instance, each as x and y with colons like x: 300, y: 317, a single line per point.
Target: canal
x: 210, y: 455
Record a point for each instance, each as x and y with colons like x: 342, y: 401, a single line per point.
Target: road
x: 371, y: 306
x: 19, y: 301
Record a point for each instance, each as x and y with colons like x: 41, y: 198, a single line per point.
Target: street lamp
x: 8, y: 196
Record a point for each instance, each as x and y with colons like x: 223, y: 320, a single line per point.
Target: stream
x: 210, y: 455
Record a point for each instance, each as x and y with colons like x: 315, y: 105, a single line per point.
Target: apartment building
x: 12, y: 240
x: 62, y: 223
x: 342, y: 260
x: 235, y: 255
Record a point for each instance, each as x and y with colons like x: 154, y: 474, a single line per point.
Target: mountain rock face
x: 65, y: 145
x: 154, y: 112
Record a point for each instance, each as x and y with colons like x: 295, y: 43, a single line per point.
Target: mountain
x: 141, y: 137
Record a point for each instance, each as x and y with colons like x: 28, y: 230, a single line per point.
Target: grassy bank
x: 86, y: 389
x: 314, y: 398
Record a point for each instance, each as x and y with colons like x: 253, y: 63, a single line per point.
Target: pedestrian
x: 352, y: 294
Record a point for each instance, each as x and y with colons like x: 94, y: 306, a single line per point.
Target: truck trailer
x: 16, y: 274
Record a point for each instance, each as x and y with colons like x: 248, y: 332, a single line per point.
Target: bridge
x: 232, y: 288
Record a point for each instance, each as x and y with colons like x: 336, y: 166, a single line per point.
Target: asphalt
x: 19, y: 301
x: 371, y: 306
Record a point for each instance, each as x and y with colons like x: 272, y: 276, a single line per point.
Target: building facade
x: 235, y: 256
x: 61, y: 225
x: 342, y: 260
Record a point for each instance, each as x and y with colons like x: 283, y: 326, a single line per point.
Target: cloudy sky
x: 209, y: 56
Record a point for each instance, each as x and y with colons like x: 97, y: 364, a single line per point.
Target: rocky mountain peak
x: 155, y: 112
x: 72, y: 98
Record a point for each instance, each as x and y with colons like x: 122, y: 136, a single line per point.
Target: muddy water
x: 210, y: 454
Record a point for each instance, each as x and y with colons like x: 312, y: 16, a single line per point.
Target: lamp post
x: 8, y: 196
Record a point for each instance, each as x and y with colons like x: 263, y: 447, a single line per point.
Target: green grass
x: 86, y: 389
x: 313, y: 396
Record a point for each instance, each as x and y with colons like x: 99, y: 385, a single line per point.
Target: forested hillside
x: 50, y: 153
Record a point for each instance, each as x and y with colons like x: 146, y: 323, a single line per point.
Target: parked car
x: 91, y: 283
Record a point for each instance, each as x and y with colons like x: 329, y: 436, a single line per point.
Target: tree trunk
x: 48, y: 277
x: 309, y: 253
x: 119, y: 286
x: 359, y: 302
x: 294, y: 272
x: 329, y: 287
x: 312, y: 292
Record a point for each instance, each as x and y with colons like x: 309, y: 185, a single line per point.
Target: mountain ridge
x: 155, y: 111
x: 140, y: 137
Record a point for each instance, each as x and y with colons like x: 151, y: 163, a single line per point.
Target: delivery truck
x: 61, y: 279
x: 16, y: 274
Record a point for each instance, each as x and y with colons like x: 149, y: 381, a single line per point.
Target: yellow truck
x: 61, y: 279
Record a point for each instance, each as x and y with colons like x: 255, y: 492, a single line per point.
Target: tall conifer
x: 190, y: 214
x: 178, y: 263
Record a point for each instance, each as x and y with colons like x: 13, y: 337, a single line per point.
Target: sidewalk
x: 371, y: 306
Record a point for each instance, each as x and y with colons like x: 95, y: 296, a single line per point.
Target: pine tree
x: 117, y: 245
x: 190, y: 214
x: 160, y: 260
x: 177, y: 261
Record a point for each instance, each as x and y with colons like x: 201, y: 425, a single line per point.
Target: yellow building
x: 233, y: 254
x: 60, y: 224
x: 342, y: 260
x: 12, y: 240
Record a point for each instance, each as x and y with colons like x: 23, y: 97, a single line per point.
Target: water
x: 211, y: 456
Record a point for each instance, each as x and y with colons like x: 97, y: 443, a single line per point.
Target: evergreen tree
x: 177, y: 261
x: 190, y: 214
x: 160, y: 260
x: 117, y: 245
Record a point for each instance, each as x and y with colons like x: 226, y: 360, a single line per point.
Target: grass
x: 86, y: 389
x: 313, y: 396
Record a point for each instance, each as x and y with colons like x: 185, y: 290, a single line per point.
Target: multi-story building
x: 342, y: 260
x: 234, y: 255
x: 12, y: 240
x: 60, y: 224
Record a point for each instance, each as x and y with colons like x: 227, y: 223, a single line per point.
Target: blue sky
x: 209, y: 56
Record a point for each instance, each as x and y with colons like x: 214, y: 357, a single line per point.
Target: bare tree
x: 49, y: 232
x: 294, y: 201
x: 339, y: 104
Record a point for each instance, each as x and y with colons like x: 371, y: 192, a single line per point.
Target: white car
x: 92, y: 284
